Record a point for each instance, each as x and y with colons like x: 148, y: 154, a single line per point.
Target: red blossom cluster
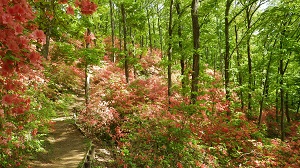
x: 16, y: 51
x: 86, y: 6
x: 18, y: 37
x: 70, y: 10
x: 88, y: 37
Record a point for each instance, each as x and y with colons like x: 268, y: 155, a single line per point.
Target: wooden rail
x: 89, y: 157
x: 90, y: 154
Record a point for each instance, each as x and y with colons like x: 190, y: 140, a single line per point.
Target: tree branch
x: 246, y: 6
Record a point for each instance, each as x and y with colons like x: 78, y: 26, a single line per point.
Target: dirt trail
x: 66, y: 146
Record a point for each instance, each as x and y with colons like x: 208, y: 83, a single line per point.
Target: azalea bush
x: 18, y: 38
x: 149, y: 132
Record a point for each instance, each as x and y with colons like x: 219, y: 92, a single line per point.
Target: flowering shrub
x: 18, y: 56
x: 150, y: 133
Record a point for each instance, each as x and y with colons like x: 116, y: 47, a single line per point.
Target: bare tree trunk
x: 220, y: 56
x: 46, y: 46
x: 149, y: 30
x: 196, y: 56
x: 238, y: 57
x: 248, y: 18
x: 125, y: 42
x: 281, y: 100
x: 287, y: 112
x: 227, y: 50
x: 282, y: 69
x: 170, y: 31
x: 277, y: 105
x: 182, y: 58
x: 112, y: 23
x: 159, y: 30
x: 133, y: 52
x: 264, y: 93
x: 87, y: 78
x: 154, y: 33
x: 120, y: 30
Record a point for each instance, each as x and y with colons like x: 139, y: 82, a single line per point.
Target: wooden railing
x: 89, y: 157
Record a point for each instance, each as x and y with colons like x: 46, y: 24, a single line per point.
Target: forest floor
x: 66, y: 146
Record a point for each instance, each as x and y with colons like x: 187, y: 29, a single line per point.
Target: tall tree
x: 112, y: 24
x: 86, y: 70
x: 170, y: 31
x: 158, y: 10
x: 125, y: 42
x: 196, y: 56
x: 182, y: 58
x: 238, y: 60
x: 250, y: 11
x: 227, y: 48
x: 149, y: 29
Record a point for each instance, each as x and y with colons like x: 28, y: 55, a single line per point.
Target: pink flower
x: 13, y: 46
x: 6, y: 19
x: 9, y: 99
x: 70, y: 10
x: 34, y: 57
x: 39, y: 36
x: 18, y: 29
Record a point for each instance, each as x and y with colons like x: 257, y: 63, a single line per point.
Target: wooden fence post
x: 87, y: 163
x: 92, y: 152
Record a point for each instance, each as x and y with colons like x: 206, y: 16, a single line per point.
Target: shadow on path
x: 66, y: 147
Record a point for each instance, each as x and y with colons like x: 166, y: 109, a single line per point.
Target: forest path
x: 65, y: 146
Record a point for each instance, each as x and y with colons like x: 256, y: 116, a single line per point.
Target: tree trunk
x: 281, y: 72
x: 133, y: 52
x: 238, y: 57
x: 154, y: 33
x: 277, y: 105
x: 170, y: 53
x: 120, y: 31
x: 182, y: 58
x: 87, y: 78
x: 227, y: 50
x: 220, y: 56
x: 112, y: 24
x: 46, y: 46
x: 287, y: 112
x: 248, y: 18
x: 281, y: 101
x: 264, y: 93
x: 196, y: 56
x: 125, y: 42
x: 159, y: 30
x: 149, y: 30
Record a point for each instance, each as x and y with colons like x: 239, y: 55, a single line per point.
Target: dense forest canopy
x: 175, y: 83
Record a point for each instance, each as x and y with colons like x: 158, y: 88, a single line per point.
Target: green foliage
x: 42, y: 107
x: 91, y: 56
x: 29, y: 129
x: 63, y: 51
x: 158, y: 143
x: 62, y: 79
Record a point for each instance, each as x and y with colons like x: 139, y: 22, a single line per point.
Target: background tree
x: 196, y: 56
